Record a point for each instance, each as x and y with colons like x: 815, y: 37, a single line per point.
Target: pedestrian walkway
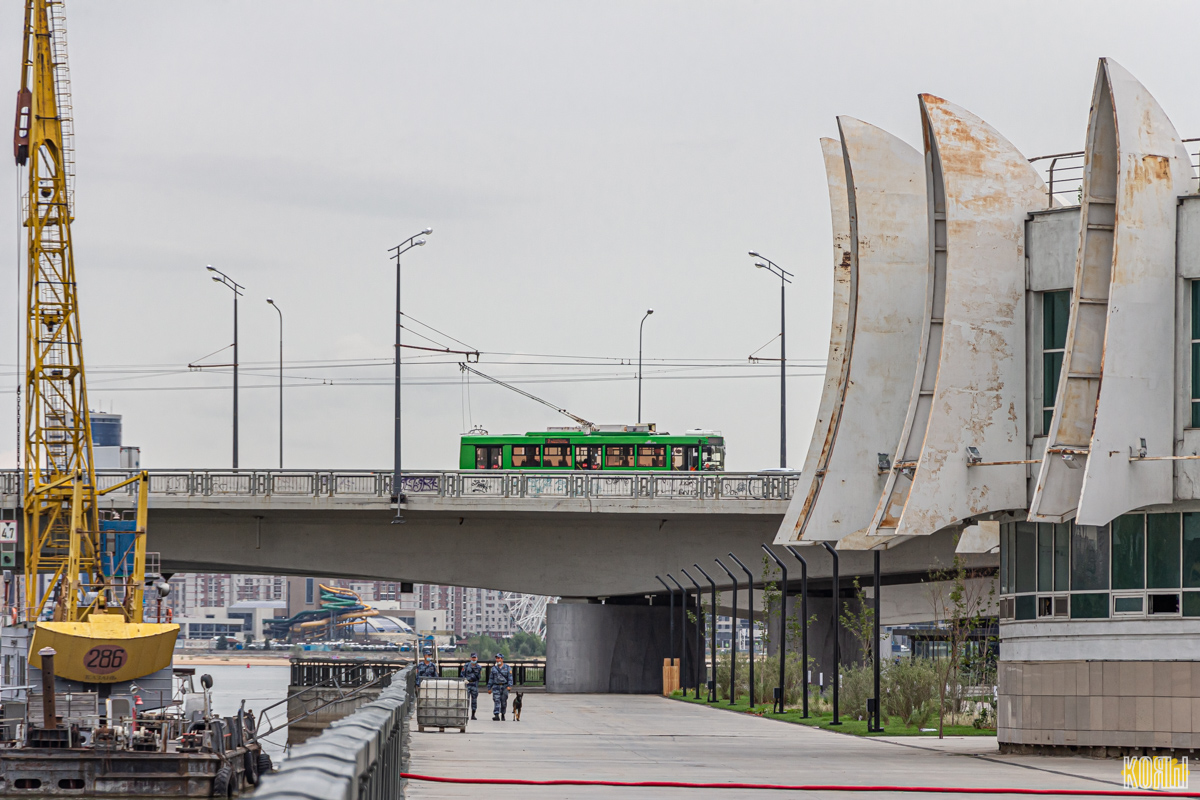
x: 643, y: 738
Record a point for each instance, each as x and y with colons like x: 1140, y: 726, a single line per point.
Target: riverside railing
x: 672, y: 486
x: 359, y: 757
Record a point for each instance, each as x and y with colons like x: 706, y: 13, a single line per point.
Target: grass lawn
x: 852, y: 726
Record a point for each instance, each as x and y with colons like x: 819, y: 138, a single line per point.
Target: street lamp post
x: 278, y: 311
x: 782, y: 625
x: 750, y: 614
x: 641, y: 324
x: 225, y: 280
x: 397, y: 487
x: 733, y: 636
x: 683, y: 597
x: 712, y: 636
x: 700, y: 661
x: 784, y: 280
x: 804, y: 621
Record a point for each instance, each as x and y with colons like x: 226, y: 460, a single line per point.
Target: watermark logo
x: 1155, y: 772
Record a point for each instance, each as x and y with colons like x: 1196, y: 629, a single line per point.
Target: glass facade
x: 1140, y: 565
x: 1056, y: 310
x: 1195, y: 354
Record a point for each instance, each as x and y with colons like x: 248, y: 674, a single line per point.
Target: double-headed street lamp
x: 784, y: 276
x: 275, y: 306
x: 397, y: 487
x: 222, y: 278
x: 641, y: 324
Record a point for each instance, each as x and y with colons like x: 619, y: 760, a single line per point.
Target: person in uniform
x: 471, y: 673
x: 426, y: 669
x: 499, y: 679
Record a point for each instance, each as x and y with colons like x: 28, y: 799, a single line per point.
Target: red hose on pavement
x: 802, y: 787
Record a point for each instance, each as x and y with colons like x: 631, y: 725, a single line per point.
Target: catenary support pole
x: 837, y: 632
x: 699, y: 633
x: 783, y: 582
x: 803, y: 624
x: 712, y: 636
x: 750, y: 613
x: 732, y: 637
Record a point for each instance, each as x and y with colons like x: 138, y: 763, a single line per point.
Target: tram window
x: 490, y: 457
x: 526, y: 455
x: 652, y: 456
x: 684, y: 458
x: 618, y: 455
x: 712, y: 457
x: 587, y: 457
x: 556, y: 455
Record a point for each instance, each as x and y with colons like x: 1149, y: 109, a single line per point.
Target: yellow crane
x: 96, y: 571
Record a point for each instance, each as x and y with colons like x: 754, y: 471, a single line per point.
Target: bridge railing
x: 681, y: 486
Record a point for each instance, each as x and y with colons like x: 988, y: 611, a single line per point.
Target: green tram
x: 606, y: 448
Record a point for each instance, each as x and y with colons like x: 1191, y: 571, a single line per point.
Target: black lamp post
x: 782, y: 623
x: 641, y: 324
x: 712, y: 635
x: 804, y: 617
x: 682, y: 632
x: 225, y: 280
x: 670, y: 616
x: 733, y: 635
x: 397, y: 483
x: 784, y: 275
x: 699, y: 634
x: 750, y: 602
x: 878, y: 715
x: 837, y: 631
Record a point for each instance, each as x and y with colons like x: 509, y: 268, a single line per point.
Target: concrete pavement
x: 639, y: 738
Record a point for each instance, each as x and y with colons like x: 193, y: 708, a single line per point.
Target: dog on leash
x: 517, y: 703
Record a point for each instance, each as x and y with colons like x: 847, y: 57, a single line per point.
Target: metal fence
x: 524, y: 673
x: 359, y: 757
x: 1063, y: 173
x: 682, y: 486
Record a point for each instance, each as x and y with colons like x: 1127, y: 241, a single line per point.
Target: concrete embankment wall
x: 359, y: 756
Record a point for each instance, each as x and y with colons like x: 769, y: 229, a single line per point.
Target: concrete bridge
x: 567, y: 534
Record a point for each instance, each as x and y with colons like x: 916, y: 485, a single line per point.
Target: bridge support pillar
x: 609, y: 648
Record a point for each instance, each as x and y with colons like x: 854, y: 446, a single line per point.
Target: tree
x: 959, y: 608
x: 861, y: 623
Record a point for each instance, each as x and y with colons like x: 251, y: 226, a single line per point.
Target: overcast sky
x: 579, y: 163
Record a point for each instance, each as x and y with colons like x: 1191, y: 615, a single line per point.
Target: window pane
x: 1045, y: 557
x: 618, y: 455
x: 1089, y: 606
x: 1191, y: 550
x: 1026, y: 607
x: 1062, y: 556
x: 1026, y: 557
x: 1195, y: 371
x: 1089, y: 557
x: 481, y: 458
x: 652, y: 456
x: 677, y: 458
x: 1162, y: 551
x: 1051, y: 368
x: 1127, y: 604
x: 556, y: 455
x: 1129, y: 552
x: 526, y: 455
x: 1191, y: 604
x: 1056, y: 310
x: 1005, y: 556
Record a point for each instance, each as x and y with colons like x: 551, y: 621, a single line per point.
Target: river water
x: 259, y: 685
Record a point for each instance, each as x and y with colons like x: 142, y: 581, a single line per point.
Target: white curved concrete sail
x: 1118, y: 379
x: 840, y: 332
x: 885, y: 180
x: 970, y: 385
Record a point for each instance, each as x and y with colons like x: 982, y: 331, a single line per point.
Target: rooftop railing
x: 1063, y: 173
